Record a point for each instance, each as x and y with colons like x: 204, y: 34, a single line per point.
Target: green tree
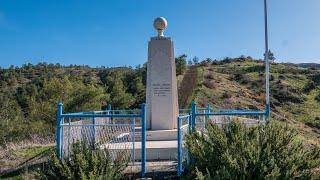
x: 271, y: 56
x: 138, y: 90
x: 181, y: 64
x: 195, y: 60
x: 119, y: 97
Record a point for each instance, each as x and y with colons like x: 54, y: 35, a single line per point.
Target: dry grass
x: 15, y: 156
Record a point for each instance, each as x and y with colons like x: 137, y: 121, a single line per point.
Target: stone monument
x: 162, y: 91
x: 162, y: 100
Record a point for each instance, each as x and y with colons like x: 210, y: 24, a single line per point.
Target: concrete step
x: 155, y: 150
x: 158, y: 135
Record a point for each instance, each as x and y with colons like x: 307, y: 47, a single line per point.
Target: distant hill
x: 309, y: 65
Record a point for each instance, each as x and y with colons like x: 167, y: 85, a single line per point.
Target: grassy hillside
x: 28, y: 94
x: 239, y: 84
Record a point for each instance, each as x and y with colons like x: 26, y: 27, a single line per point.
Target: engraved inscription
x: 161, y: 89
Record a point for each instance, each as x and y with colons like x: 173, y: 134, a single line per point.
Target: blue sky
x: 115, y: 33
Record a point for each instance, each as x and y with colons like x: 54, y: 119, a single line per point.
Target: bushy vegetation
x: 181, y: 64
x: 29, y: 94
x: 317, y: 98
x: 273, y: 151
x: 283, y: 93
x: 241, y: 78
x: 85, y: 163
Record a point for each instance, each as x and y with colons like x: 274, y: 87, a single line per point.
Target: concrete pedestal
x: 156, y: 150
x: 160, y: 144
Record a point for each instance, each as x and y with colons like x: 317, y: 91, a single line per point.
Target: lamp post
x: 266, y: 60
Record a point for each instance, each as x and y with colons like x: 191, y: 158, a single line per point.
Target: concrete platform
x: 159, y: 135
x: 155, y: 150
x: 160, y: 144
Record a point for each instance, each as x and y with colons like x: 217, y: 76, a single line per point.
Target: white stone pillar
x: 162, y: 91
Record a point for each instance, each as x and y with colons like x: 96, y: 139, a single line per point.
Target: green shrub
x: 282, y: 77
x: 284, y: 93
x: 241, y: 78
x: 256, y: 68
x: 85, y: 163
x: 317, y: 98
x: 238, y: 152
x: 309, y: 86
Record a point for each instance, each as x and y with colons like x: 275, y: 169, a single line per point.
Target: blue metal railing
x: 206, y: 113
x: 182, y: 129
x: 109, y: 113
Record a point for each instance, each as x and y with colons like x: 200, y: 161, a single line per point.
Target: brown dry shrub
x: 226, y: 95
x: 209, y: 84
x: 209, y: 76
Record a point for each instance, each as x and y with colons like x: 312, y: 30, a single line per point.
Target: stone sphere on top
x: 160, y: 24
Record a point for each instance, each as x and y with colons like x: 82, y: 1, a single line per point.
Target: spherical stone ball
x: 160, y: 23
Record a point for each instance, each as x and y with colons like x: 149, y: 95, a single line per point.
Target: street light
x: 266, y: 59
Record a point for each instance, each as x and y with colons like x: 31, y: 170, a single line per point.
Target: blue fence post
x: 109, y: 108
x: 94, y: 130
x: 188, y: 157
x: 267, y: 116
x: 179, y: 147
x: 133, y: 141
x: 143, y: 139
x: 209, y: 108
x: 207, y: 117
x: 59, y: 135
x: 194, y: 111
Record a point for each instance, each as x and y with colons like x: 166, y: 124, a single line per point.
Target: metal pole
x: 266, y: 59
x: 59, y: 134
x: 108, y: 112
x: 188, y: 132
x: 179, y: 146
x: 133, y: 140
x: 207, y: 117
x: 143, y: 139
x: 194, y: 111
x: 189, y: 123
x: 94, y: 130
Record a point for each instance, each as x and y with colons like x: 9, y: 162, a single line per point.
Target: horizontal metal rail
x: 92, y: 133
x: 235, y: 113
x: 184, y: 116
x: 104, y: 111
x: 100, y: 115
x: 83, y: 125
x: 191, y: 109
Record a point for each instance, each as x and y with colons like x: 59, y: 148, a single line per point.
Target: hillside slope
x: 29, y: 94
x: 240, y: 84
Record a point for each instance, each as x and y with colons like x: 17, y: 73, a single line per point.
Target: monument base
x: 159, y: 135
x: 160, y: 145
